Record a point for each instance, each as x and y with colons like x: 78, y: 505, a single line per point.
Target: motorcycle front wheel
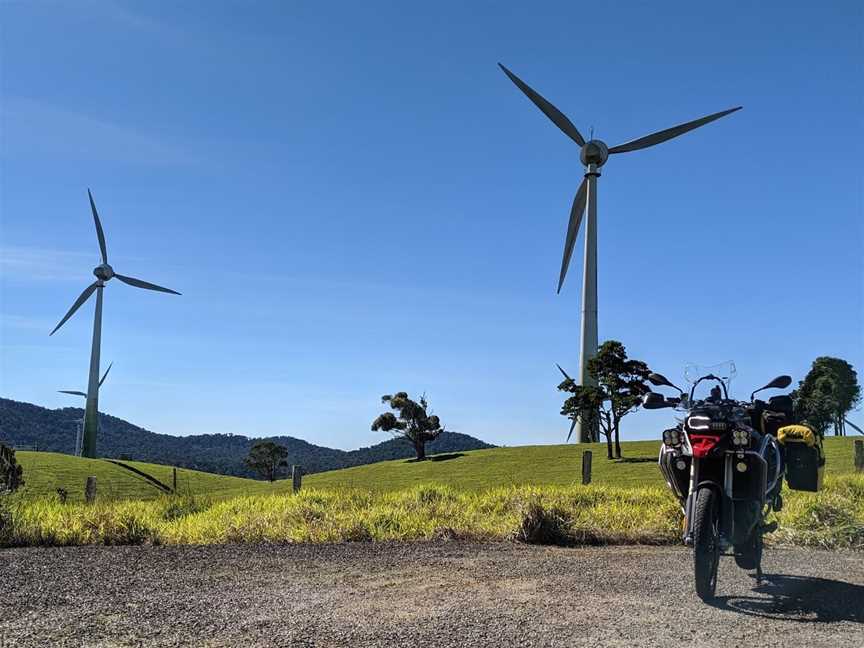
x: 706, y: 542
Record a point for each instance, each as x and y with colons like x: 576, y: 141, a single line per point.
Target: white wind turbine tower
x: 79, y: 423
x: 594, y: 155
x: 104, y: 273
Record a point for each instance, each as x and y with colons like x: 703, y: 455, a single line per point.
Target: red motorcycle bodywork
x: 704, y: 444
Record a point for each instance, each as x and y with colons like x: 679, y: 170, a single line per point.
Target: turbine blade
x: 144, y: 284
x: 572, y: 427
x: 573, y: 229
x: 74, y: 393
x: 669, y: 133
x: 105, y: 375
x: 564, y: 373
x: 559, y: 119
x: 84, y: 296
x: 99, y: 232
x: 852, y: 425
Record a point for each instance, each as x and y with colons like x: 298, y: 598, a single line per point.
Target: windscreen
x: 726, y: 371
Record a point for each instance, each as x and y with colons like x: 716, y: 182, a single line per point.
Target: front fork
x: 690, y: 503
x: 725, y: 510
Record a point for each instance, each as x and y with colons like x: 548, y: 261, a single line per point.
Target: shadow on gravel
x: 800, y: 598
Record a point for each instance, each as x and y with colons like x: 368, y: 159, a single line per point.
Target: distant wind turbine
x: 575, y: 418
x: 80, y: 422
x: 104, y: 273
x: 594, y: 155
x: 80, y: 393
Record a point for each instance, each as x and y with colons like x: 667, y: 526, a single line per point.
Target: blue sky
x: 354, y: 200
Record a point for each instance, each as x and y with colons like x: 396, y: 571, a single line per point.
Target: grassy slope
x: 45, y: 472
x: 476, y: 470
x: 531, y: 465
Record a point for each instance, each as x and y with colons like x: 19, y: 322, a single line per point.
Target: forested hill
x: 24, y: 424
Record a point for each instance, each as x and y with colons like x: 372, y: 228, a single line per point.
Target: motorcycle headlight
x: 697, y: 422
x: 740, y: 437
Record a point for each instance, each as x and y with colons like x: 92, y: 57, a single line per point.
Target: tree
x: 828, y: 392
x: 621, y: 384
x: 10, y: 470
x: 414, y: 422
x: 266, y: 458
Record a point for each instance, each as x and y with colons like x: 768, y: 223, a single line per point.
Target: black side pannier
x: 805, y: 461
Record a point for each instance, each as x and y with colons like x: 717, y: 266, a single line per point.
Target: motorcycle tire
x: 706, y: 543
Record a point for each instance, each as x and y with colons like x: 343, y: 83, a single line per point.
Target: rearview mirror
x: 780, y: 382
x: 653, y: 400
x: 661, y: 380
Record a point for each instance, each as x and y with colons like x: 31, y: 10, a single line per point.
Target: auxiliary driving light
x: 740, y: 437
x: 741, y: 466
x: 671, y: 437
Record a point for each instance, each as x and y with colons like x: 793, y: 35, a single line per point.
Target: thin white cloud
x: 33, y: 129
x: 31, y: 263
x: 124, y: 15
x: 24, y: 323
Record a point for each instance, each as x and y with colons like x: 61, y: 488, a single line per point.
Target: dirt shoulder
x: 421, y: 594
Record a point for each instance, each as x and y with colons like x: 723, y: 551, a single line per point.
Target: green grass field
x: 549, y: 465
x: 45, y: 472
x: 483, y: 494
x: 474, y: 471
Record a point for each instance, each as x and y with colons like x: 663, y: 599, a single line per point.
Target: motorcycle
x: 725, y: 470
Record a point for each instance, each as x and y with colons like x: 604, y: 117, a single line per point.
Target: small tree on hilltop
x: 266, y: 458
x: 621, y: 384
x: 414, y: 422
x: 828, y: 392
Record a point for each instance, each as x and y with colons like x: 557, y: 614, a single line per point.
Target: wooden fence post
x: 859, y: 455
x: 90, y: 490
x: 586, y: 467
x: 174, y: 480
x: 296, y: 478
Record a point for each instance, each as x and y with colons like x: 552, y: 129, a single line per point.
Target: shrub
x: 543, y: 526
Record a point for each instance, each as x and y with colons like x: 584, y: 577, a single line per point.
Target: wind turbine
x: 104, y: 273
x: 80, y: 422
x: 575, y: 418
x: 593, y: 156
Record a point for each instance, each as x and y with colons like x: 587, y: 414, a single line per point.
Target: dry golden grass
x: 591, y: 514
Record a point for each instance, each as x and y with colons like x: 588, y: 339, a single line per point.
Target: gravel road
x: 422, y: 594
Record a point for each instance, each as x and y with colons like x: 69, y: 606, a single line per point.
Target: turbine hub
x: 594, y: 152
x: 103, y: 272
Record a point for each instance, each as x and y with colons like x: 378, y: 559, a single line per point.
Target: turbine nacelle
x: 103, y: 272
x: 594, y: 152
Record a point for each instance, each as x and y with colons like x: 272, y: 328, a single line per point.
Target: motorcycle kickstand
x: 759, y: 575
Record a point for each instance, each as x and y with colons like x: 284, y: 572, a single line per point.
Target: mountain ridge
x: 53, y: 430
